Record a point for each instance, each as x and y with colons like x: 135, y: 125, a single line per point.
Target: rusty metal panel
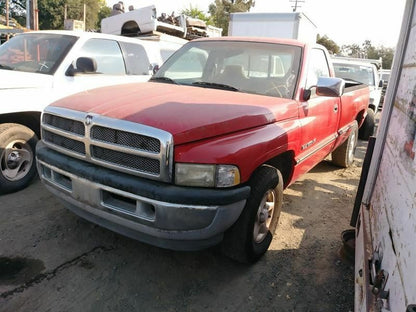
x: 390, y: 204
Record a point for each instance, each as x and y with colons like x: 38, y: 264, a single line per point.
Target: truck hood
x: 21, y: 80
x: 188, y: 113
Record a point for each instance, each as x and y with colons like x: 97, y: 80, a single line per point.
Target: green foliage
x: 104, y: 12
x: 17, y: 10
x: 196, y: 13
x: 51, y: 12
x: 221, y: 9
x: 367, y: 50
x: 331, y: 46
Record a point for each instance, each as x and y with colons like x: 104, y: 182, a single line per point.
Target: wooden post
x: 84, y: 19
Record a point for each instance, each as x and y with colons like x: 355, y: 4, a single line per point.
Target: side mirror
x: 380, y: 84
x: 84, y: 65
x: 326, y: 86
x: 153, y: 68
x: 330, y: 86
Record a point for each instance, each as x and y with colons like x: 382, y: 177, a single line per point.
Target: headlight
x: 206, y: 175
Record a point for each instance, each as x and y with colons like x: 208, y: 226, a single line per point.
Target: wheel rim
x: 264, y: 216
x: 351, y: 147
x: 16, y: 160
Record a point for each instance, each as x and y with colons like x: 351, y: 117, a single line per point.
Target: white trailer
x: 385, y: 254
x: 277, y: 25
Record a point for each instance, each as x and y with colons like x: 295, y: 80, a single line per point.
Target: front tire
x: 17, y: 157
x: 250, y: 237
x: 343, y: 155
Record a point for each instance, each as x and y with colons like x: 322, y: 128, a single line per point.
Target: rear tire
x: 343, y: 156
x: 367, y: 128
x: 250, y: 237
x: 17, y: 157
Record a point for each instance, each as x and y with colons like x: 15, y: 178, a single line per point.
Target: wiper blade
x: 214, y: 85
x: 5, y: 67
x: 352, y: 80
x: 163, y: 79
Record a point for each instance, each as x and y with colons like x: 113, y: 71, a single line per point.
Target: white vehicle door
x: 114, y: 65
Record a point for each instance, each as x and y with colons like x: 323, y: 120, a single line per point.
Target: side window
x: 107, y: 54
x: 137, y: 62
x: 318, y: 67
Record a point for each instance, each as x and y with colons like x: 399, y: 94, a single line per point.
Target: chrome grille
x: 124, y: 138
x: 64, y: 142
x: 121, y: 145
x: 134, y: 162
x: 64, y: 124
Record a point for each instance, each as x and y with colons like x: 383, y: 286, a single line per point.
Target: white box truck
x: 385, y: 212
x: 277, y: 25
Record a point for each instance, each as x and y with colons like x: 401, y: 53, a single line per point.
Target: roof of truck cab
x: 82, y: 34
x: 292, y: 42
x: 255, y: 39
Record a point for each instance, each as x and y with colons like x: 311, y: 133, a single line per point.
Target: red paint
x: 226, y: 127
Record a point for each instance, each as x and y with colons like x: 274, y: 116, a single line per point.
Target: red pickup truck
x: 200, y: 155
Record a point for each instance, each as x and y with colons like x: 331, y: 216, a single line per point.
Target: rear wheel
x: 17, y: 157
x: 250, y: 237
x: 343, y: 156
x: 367, y: 128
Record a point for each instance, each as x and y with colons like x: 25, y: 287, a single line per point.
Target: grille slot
x: 135, y: 162
x: 64, y: 142
x: 124, y: 138
x: 64, y: 124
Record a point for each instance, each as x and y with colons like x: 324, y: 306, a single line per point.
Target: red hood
x: 188, y: 113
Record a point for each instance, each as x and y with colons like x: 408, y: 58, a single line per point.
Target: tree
x: 196, y: 13
x: 104, y: 12
x: 352, y: 50
x: 367, y: 50
x: 221, y: 9
x: 331, y: 46
x: 17, y: 10
x: 51, y: 12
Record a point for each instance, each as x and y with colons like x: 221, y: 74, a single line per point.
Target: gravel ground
x: 51, y: 260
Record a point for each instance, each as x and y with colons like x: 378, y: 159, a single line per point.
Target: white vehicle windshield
x: 35, y: 52
x: 355, y: 72
x: 250, y: 67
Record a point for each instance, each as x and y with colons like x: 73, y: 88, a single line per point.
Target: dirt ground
x: 51, y: 260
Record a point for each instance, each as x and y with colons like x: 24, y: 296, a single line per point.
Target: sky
x: 345, y: 22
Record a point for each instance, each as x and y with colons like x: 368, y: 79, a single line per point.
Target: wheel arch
x: 27, y: 119
x: 130, y: 28
x: 284, y: 162
x: 360, y: 117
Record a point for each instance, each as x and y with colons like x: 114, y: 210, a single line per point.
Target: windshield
x: 35, y: 52
x: 250, y: 67
x: 355, y: 72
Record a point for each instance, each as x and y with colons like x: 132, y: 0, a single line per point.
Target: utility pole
x: 7, y: 12
x: 296, y: 4
x: 28, y: 19
x: 32, y: 15
x: 7, y: 17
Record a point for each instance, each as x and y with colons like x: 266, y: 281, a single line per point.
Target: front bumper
x: 164, y: 215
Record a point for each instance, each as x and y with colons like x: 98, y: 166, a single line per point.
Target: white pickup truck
x: 37, y: 68
x: 362, y: 71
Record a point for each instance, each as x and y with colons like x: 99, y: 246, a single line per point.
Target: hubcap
x: 264, y: 216
x: 351, y: 147
x: 16, y: 160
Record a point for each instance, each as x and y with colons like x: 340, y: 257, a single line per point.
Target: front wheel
x: 250, y: 237
x: 17, y: 157
x: 343, y: 155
